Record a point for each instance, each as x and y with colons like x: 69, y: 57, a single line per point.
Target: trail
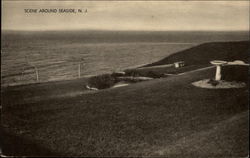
x: 205, y: 68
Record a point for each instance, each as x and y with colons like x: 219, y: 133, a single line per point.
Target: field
x: 143, y: 119
x: 161, y: 117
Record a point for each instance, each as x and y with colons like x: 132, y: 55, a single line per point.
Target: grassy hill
x: 161, y: 117
x: 137, y: 120
x: 206, y: 52
x: 199, y: 57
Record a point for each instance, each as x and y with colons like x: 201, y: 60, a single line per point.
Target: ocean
x: 56, y: 54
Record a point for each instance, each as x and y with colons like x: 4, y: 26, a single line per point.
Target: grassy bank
x: 161, y: 117
x: 135, y: 120
x: 202, y: 54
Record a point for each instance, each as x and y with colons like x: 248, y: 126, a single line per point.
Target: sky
x: 128, y: 15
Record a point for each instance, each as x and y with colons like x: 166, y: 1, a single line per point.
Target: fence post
x: 79, y: 70
x: 21, y: 77
x: 37, y: 75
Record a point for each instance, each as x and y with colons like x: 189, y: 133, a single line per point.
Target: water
x: 57, y: 55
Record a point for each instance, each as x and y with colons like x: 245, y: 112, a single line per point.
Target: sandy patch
x: 120, y: 84
x: 206, y: 83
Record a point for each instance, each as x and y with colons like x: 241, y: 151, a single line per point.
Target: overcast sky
x: 128, y: 15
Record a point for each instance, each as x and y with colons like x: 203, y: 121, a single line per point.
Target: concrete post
x: 218, y: 73
x: 218, y: 64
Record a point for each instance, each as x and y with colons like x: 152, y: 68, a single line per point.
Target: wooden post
x: 37, y: 75
x: 79, y: 70
x: 21, y: 77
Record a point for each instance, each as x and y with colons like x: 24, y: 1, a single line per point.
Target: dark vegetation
x: 166, y: 116
x: 150, y: 115
x: 15, y: 146
x: 235, y: 73
x: 204, y: 53
x: 102, y: 81
x: 213, y: 82
x: 108, y: 80
x: 138, y: 73
x: 23, y: 94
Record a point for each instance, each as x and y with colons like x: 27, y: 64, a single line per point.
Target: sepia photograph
x: 126, y: 78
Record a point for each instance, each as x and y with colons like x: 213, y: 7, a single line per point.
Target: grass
x: 200, y: 56
x: 235, y: 73
x: 206, y: 52
x: 135, y: 120
x: 14, y: 145
x: 161, y: 117
x: 226, y: 133
x: 23, y: 94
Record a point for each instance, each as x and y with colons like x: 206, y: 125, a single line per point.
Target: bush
x: 213, y: 82
x: 141, y: 73
x: 134, y: 73
x: 153, y: 74
x: 102, y: 81
x: 235, y: 73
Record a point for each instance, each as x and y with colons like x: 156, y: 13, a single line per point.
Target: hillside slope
x: 161, y: 117
x: 206, y: 52
x: 137, y: 120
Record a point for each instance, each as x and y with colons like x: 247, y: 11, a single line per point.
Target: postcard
x: 125, y: 78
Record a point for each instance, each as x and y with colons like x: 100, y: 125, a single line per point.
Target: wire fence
x: 36, y: 74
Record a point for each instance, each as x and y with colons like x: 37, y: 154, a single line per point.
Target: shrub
x: 138, y: 73
x: 213, y: 82
x: 153, y: 74
x: 134, y: 73
x: 102, y: 81
x: 235, y: 73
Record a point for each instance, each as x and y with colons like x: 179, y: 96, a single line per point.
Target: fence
x: 35, y: 74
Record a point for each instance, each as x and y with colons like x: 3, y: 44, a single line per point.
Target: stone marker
x: 218, y: 64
